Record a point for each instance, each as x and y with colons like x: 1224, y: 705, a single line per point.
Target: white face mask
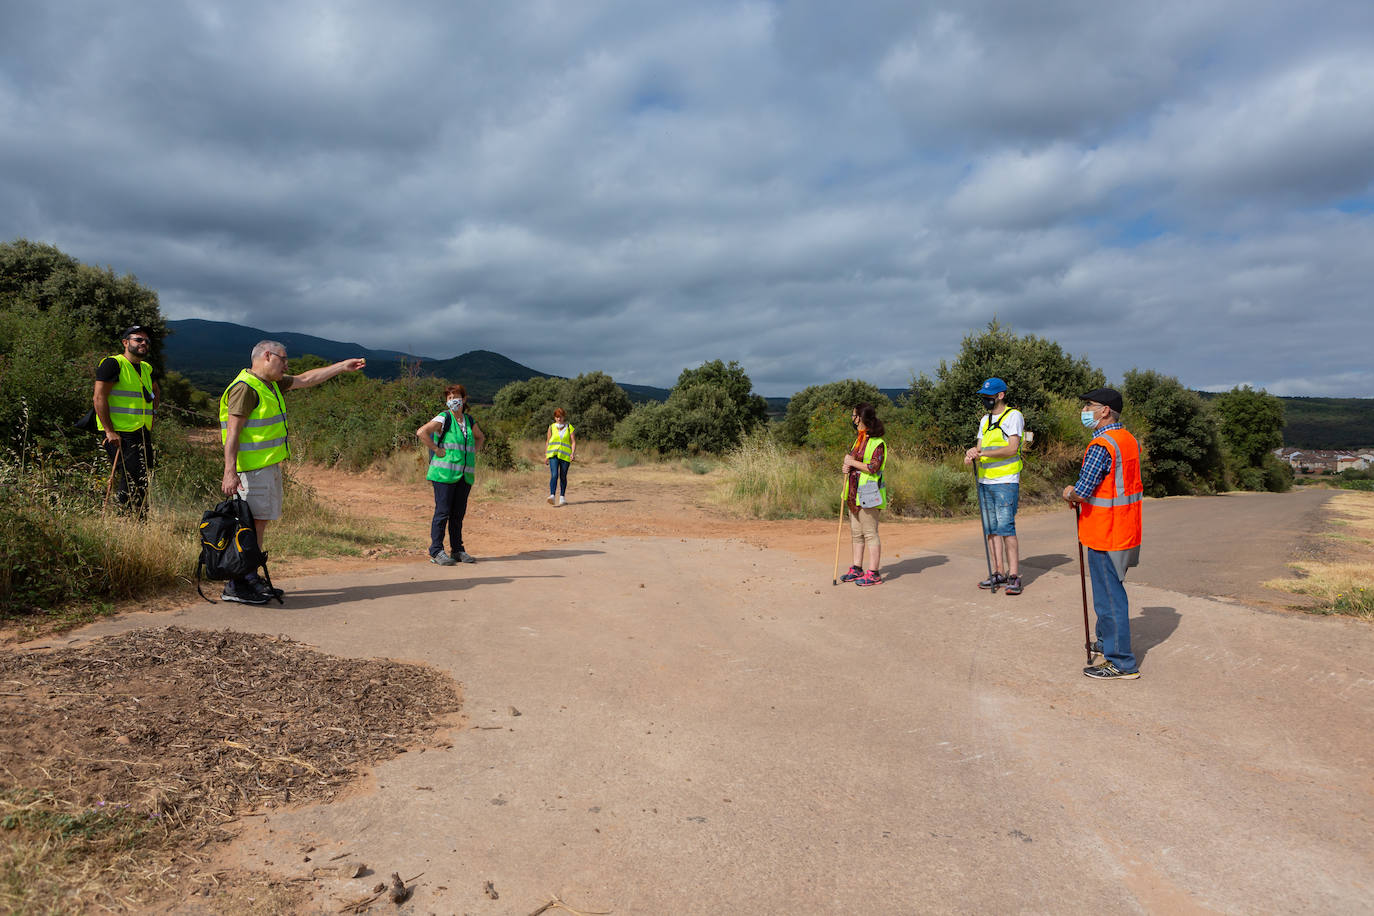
x: 454, y: 403
x: 560, y: 423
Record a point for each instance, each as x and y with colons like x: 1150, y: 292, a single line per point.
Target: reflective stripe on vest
x: 560, y: 444
x: 994, y: 437
x: 130, y: 408
x: 1109, y: 519
x: 459, y: 440
x: 262, y: 441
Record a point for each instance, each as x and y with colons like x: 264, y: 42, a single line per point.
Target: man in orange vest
x: 1108, y: 496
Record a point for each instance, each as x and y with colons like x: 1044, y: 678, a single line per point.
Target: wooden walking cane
x: 983, y: 521
x: 1083, y: 580
x: 839, y: 533
x: 114, y: 467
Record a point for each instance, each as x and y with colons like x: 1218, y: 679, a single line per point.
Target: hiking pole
x: 983, y: 520
x: 1083, y: 580
x: 109, y: 484
x: 839, y: 532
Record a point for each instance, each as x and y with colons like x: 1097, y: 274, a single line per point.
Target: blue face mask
x: 454, y: 403
x: 1086, y: 417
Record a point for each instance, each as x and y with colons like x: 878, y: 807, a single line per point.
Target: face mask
x: 454, y: 403
x: 560, y: 423
x: 1087, y: 419
x: 989, y: 403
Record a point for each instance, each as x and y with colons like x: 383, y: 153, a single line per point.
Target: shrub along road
x: 664, y: 714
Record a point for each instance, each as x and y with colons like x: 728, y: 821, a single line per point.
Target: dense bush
x: 1177, y: 433
x: 802, y: 421
x: 1251, y: 427
x: 593, y: 401
x: 711, y: 409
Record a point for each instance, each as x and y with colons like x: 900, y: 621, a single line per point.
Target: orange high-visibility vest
x: 1110, y: 518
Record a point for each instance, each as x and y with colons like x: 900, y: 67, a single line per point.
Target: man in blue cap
x: 998, y: 457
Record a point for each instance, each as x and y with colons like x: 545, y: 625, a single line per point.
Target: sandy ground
x: 672, y: 711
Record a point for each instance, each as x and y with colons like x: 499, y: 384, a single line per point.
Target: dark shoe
x: 869, y: 578
x: 463, y: 556
x: 1096, y: 653
x: 1108, y: 670
x: 1013, y: 586
x: 243, y: 594
x: 854, y: 573
x: 259, y: 585
x: 994, y: 581
x: 442, y: 559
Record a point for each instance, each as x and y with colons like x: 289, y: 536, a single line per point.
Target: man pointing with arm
x: 252, y: 423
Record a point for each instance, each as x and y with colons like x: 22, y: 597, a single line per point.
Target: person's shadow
x: 313, y: 598
x: 912, y: 566
x: 1152, y: 627
x: 548, y: 554
x: 1033, y: 568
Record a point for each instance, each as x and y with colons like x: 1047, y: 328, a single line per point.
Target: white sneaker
x: 562, y: 500
x: 550, y: 499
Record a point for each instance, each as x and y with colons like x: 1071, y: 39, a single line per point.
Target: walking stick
x: 839, y: 532
x: 1083, y: 580
x: 114, y: 467
x: 983, y: 521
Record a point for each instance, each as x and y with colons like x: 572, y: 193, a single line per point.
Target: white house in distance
x: 1318, y: 460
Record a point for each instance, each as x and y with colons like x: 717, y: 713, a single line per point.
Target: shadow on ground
x: 1151, y: 628
x: 913, y: 566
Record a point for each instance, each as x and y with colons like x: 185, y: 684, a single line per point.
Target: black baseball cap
x: 1108, y: 396
x: 136, y: 329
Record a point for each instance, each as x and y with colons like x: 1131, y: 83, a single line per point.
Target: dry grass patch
x: 166, y: 738
x: 1344, y: 585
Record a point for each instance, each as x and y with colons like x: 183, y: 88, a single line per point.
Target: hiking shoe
x: 869, y: 578
x: 550, y: 499
x: 1013, y: 586
x: 1096, y: 653
x: 246, y: 595
x: 854, y: 573
x: 562, y: 500
x: 994, y: 581
x: 259, y: 585
x: 1108, y: 670
x: 442, y: 559
x: 464, y: 557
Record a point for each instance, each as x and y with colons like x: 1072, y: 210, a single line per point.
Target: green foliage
x: 47, y: 365
x: 99, y: 302
x: 711, y: 409
x: 353, y: 421
x: 593, y: 401
x: 193, y: 406
x: 800, y: 421
x: 1251, y: 428
x: 946, y: 409
x: 1328, y: 422
x: 1177, y: 433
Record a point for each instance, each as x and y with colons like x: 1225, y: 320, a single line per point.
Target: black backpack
x: 229, y: 545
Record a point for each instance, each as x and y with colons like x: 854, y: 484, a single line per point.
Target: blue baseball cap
x: 993, y: 387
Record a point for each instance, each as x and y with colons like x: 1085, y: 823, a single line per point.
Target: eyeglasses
x: 280, y: 356
x: 139, y: 340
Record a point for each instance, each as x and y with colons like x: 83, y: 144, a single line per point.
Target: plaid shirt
x: 1097, y: 464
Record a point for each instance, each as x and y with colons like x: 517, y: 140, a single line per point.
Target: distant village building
x: 1325, y: 461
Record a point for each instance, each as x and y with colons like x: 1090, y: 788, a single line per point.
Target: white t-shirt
x: 1012, y: 424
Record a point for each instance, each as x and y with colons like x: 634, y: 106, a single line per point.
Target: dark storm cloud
x: 637, y: 187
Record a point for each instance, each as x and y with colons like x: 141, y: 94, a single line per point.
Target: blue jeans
x: 558, y: 475
x: 998, y: 501
x: 1113, y: 611
x: 450, y: 505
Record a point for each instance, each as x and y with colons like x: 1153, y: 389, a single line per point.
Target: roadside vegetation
x: 1344, y: 582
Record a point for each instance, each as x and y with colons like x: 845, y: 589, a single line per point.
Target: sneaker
x: 854, y: 573
x: 562, y: 500
x: 869, y: 578
x: 1013, y: 586
x: 442, y: 559
x: 994, y: 581
x: 1096, y: 656
x: 1108, y: 670
x: 259, y: 585
x: 465, y: 557
x: 248, y: 594
x: 550, y: 499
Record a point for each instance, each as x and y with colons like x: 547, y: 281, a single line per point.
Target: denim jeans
x: 998, y: 501
x: 558, y: 475
x: 450, y: 505
x: 1113, y: 611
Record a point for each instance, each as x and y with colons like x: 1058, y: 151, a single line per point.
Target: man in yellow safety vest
x: 252, y: 425
x: 124, y: 398
x: 998, y: 457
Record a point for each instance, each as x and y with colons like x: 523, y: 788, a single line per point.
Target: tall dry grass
x: 1342, y: 586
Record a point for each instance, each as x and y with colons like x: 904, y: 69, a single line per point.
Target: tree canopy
x: 710, y: 409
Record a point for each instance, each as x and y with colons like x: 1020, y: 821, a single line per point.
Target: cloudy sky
x: 818, y: 190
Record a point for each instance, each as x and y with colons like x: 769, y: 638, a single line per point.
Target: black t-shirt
x: 108, y: 370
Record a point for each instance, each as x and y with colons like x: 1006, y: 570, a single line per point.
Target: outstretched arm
x: 324, y: 373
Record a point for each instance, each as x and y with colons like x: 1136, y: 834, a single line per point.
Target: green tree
x: 47, y: 364
x: 1177, y: 432
x: 945, y: 408
x: 835, y: 397
x: 710, y: 409
x: 593, y: 401
x: 43, y: 278
x: 1251, y: 428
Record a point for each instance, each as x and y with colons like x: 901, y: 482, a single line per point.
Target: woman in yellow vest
x: 558, y: 455
x: 865, y: 495
x: 453, y: 440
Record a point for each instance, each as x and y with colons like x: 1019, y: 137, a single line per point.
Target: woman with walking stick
x: 865, y: 496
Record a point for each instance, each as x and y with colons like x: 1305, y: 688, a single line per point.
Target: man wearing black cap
x: 124, y: 397
x: 1108, y: 498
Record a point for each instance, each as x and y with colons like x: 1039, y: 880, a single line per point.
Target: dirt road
x: 670, y: 711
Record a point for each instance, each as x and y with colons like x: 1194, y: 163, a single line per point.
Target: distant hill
x: 1328, y: 422
x: 211, y: 353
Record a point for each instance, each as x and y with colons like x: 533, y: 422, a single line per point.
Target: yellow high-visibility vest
x: 262, y: 441
x: 130, y: 407
x: 990, y: 435
x: 560, y: 444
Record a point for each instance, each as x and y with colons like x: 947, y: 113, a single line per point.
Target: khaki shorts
x: 863, y: 528
x: 262, y: 490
